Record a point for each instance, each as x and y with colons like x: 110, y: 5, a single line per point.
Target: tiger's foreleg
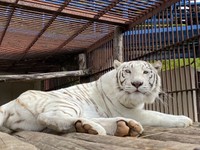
x: 154, y: 118
x: 63, y: 122
x: 120, y: 126
x: 2, y: 119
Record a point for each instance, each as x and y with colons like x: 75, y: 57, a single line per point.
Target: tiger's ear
x: 157, y: 65
x: 116, y: 64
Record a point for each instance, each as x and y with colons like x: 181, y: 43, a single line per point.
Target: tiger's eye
x: 127, y: 71
x: 145, y: 72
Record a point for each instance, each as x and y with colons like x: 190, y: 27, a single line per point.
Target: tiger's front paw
x: 128, y: 128
x: 183, y: 121
x: 85, y: 126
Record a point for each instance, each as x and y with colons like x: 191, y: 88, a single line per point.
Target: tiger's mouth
x: 138, y: 92
x: 135, y: 92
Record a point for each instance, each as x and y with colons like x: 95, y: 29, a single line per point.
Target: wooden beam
x: 42, y: 76
x: 166, y: 139
x: 82, y: 61
x: 118, y: 44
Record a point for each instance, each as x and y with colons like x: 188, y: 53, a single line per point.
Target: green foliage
x: 172, y: 64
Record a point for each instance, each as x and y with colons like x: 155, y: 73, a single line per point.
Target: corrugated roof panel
x: 23, y: 28
x: 92, y: 34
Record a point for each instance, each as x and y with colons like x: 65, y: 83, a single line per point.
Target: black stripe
x: 84, y: 94
x: 156, y: 79
x: 118, y: 78
x: 151, y: 84
x: 121, y: 82
x: 19, y: 121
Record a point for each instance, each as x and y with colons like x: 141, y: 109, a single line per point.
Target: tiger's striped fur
x: 117, y: 95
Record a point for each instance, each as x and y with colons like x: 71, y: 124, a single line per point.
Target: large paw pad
x: 130, y: 128
x: 84, y: 128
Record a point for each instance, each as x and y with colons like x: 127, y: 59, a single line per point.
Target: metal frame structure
x: 33, y: 31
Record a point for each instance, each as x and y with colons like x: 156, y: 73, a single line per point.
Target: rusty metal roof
x: 32, y: 31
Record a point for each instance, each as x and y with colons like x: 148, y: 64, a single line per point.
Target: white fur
x: 99, y: 103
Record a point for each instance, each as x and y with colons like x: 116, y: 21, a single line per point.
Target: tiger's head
x: 139, y: 79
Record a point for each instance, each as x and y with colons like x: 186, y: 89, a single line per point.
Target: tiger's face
x: 138, y: 77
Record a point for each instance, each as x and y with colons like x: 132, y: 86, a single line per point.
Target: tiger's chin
x: 132, y: 100
x: 137, y: 98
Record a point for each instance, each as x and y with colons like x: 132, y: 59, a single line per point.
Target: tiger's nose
x: 137, y: 84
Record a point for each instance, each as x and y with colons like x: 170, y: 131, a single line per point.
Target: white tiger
x: 109, y: 105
